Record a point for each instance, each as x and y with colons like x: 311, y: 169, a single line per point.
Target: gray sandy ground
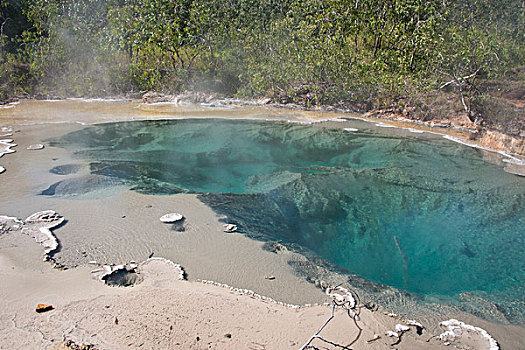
x: 114, y: 226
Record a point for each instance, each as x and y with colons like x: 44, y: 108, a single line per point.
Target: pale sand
x: 96, y: 230
x: 163, y: 312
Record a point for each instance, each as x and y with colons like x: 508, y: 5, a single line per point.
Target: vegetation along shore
x: 451, y: 63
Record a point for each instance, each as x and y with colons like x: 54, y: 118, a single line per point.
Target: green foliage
x: 360, y: 53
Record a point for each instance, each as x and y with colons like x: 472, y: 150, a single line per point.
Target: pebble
x: 171, y: 217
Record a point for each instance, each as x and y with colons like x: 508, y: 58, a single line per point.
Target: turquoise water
x: 412, y: 211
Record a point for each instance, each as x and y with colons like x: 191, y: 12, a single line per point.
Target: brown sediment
x: 460, y: 127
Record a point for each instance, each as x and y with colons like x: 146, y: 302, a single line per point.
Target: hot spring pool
x: 413, y: 211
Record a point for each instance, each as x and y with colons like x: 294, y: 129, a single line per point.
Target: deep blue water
x: 416, y: 212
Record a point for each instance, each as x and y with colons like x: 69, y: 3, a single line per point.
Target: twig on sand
x: 343, y: 298
x: 257, y: 346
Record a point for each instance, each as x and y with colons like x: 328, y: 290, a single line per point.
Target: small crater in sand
x: 122, y: 278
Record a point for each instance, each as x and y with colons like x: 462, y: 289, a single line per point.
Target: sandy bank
x: 118, y: 226
x: 163, y: 312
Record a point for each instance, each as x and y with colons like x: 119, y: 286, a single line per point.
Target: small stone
x: 392, y: 334
x: 229, y: 228
x: 271, y: 278
x: 401, y: 328
x: 374, y: 338
x: 35, y: 147
x: 371, y: 306
x: 228, y: 335
x: 171, y: 218
x: 43, y: 308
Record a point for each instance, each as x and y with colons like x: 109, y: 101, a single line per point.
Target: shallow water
x: 416, y: 212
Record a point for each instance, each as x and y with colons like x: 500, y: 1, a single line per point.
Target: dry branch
x: 343, y: 298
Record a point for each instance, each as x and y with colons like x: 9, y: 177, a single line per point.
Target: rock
x: 482, y: 307
x: 5, y: 146
x: 419, y: 326
x: 229, y: 228
x: 2, y: 169
x: 39, y: 225
x: 156, y: 97
x: 370, y: 305
x: 171, y: 218
x: 401, y: 328
x: 35, y: 147
x: 455, y: 330
x: 228, y: 335
x: 274, y: 247
x: 69, y: 344
x: 43, y: 308
x: 342, y: 296
x: 271, y: 278
x: 501, y: 142
x: 392, y: 334
x: 374, y: 338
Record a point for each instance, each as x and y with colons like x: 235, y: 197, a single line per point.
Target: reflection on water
x: 415, y: 212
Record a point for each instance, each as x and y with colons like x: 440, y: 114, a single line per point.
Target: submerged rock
x: 482, y: 307
x: 66, y: 169
x: 274, y: 247
x: 80, y: 185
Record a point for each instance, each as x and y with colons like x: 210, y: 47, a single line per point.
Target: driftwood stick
x: 320, y: 329
x: 348, y: 301
x: 405, y: 260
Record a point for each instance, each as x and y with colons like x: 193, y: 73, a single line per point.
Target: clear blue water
x: 415, y: 212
